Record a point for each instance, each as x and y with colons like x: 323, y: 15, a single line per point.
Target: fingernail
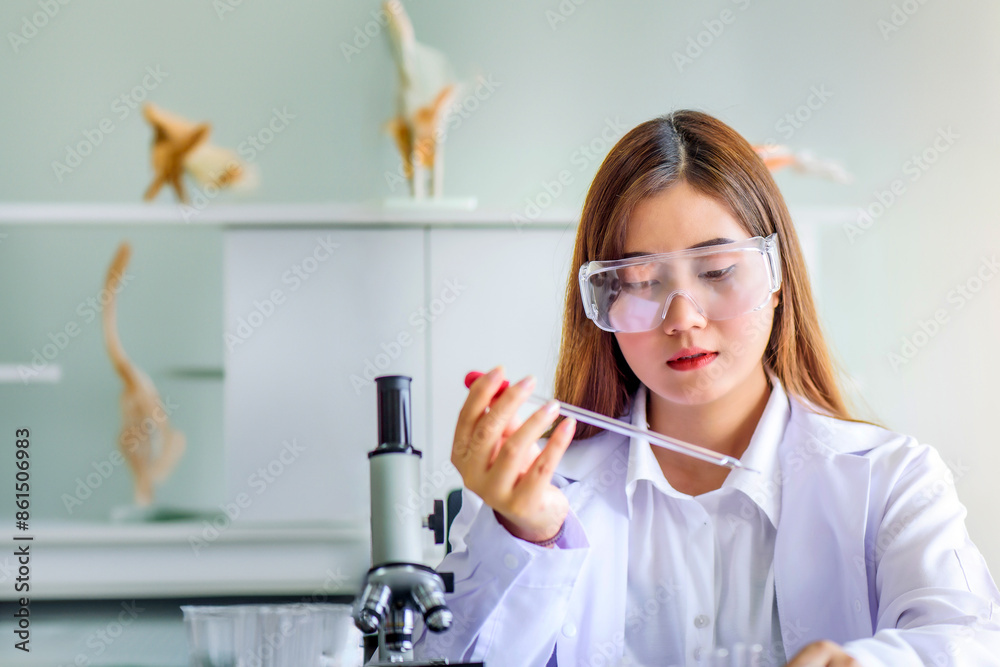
x: 493, y: 374
x: 527, y: 382
x: 569, y: 423
x: 551, y: 408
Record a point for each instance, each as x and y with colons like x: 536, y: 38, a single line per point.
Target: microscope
x: 398, y: 585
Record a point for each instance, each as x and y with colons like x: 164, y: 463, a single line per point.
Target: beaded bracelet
x: 552, y: 540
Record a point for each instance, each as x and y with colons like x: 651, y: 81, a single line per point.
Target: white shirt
x: 701, y: 568
x: 872, y: 553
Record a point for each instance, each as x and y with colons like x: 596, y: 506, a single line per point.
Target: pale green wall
x: 607, y: 60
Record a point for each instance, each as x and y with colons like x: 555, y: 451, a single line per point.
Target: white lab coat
x: 871, y: 552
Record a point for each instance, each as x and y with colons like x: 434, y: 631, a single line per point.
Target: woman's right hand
x: 500, y: 461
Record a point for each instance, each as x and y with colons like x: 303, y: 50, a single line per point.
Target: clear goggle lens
x: 722, y: 282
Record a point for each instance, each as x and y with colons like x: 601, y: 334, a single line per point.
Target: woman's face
x: 679, y: 218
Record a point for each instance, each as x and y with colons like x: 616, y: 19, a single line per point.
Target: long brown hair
x: 716, y: 161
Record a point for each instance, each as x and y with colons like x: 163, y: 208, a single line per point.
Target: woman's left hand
x: 823, y: 654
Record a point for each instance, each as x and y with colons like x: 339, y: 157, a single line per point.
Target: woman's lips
x: 690, y: 363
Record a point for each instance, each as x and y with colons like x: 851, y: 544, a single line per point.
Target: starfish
x: 174, y: 140
x: 776, y: 157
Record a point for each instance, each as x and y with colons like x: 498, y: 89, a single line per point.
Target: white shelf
x: 109, y: 561
x: 128, y: 533
x: 326, y: 214
x: 25, y: 373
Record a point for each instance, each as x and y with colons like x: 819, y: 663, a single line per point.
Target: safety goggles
x: 721, y: 281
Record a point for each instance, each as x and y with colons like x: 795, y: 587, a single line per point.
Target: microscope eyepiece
x: 393, y: 412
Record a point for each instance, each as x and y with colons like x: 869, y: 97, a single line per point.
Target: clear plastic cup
x: 289, y: 635
x: 342, y: 642
x: 210, y: 635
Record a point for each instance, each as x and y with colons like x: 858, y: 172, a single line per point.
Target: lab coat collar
x: 761, y: 454
x: 642, y: 464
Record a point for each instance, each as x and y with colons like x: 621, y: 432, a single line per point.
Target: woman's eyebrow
x: 716, y: 241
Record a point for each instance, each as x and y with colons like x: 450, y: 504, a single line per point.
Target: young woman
x: 692, y: 316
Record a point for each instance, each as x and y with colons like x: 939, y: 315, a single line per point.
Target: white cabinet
x: 309, y: 315
x: 508, y: 311
x: 309, y: 325
x: 318, y: 300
